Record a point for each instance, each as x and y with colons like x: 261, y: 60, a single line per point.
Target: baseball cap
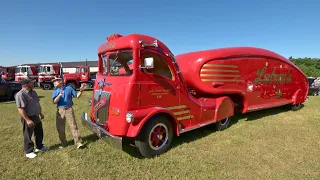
x: 55, y: 79
x: 25, y: 81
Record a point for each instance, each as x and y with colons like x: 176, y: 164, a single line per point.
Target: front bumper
x: 101, y: 133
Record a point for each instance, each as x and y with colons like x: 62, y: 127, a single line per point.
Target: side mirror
x: 148, y: 63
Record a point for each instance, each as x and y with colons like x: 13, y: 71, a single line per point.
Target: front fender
x: 224, y: 108
x: 142, y: 116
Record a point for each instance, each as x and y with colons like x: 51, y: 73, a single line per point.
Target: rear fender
x: 298, y: 97
x: 224, y: 108
x: 142, y: 116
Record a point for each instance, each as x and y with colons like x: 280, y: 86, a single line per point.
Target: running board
x: 196, y: 127
x: 251, y: 109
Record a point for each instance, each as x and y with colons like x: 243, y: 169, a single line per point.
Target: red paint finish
x: 211, y: 86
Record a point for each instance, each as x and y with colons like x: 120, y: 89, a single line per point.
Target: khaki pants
x: 62, y: 115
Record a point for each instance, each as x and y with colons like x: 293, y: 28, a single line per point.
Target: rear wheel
x: 155, y: 137
x: 296, y: 107
x: 72, y: 84
x: 223, y: 124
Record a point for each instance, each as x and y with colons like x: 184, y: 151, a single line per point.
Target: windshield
x: 21, y: 70
x: 120, y: 63
x: 81, y: 70
x: 43, y: 69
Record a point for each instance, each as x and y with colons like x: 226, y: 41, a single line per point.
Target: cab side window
x: 160, y: 68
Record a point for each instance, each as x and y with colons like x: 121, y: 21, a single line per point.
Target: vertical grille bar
x: 101, y: 116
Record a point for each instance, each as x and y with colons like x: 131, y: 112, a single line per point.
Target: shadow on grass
x: 86, y: 139
x: 207, y: 130
x: 128, y: 143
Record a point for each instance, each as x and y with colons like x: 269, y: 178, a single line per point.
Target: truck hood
x: 110, y: 83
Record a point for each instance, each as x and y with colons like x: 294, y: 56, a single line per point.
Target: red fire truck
x: 82, y: 75
x: 7, y: 73
x: 47, y: 72
x: 161, y: 95
x: 26, y: 71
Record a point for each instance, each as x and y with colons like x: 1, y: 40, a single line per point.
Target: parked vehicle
x: 47, y: 72
x: 313, y: 89
x: 8, y: 90
x: 161, y: 95
x: 26, y: 71
x: 7, y: 73
x: 82, y: 75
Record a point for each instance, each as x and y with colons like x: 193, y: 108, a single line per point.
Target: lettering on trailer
x: 159, y: 92
x: 279, y: 93
x: 263, y: 77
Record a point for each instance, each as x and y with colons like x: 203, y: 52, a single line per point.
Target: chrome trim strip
x: 196, y: 127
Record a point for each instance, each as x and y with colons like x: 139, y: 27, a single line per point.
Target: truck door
x: 158, y: 85
x: 3, y: 88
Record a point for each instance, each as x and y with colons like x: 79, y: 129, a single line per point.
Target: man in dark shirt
x: 62, y: 96
x: 29, y: 108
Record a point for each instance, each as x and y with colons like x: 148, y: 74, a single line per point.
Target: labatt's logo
x: 263, y: 77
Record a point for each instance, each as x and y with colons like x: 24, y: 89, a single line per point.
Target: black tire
x: 223, y: 124
x: 47, y: 86
x: 296, y: 107
x: 142, y: 141
x: 315, y: 93
x: 73, y: 85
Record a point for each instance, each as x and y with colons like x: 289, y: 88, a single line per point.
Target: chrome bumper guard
x: 101, y: 133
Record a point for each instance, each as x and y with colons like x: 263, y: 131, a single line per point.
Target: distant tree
x: 309, y: 66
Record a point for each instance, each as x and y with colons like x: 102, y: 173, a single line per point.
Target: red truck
x: 82, y: 75
x: 26, y: 71
x: 161, y: 95
x: 7, y: 73
x: 47, y: 72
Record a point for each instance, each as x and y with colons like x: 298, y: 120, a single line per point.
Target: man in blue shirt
x: 62, y: 96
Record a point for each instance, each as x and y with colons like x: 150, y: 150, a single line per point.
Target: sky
x: 37, y: 31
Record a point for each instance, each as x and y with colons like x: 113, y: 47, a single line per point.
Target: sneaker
x: 44, y: 148
x: 62, y: 146
x: 79, y: 145
x: 31, y: 155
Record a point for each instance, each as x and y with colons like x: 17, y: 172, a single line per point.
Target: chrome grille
x: 101, y: 116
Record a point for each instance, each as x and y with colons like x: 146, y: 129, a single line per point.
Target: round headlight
x: 129, y: 117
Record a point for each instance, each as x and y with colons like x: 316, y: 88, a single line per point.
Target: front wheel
x: 155, y: 137
x: 223, y: 124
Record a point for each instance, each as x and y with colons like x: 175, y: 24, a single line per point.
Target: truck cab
x: 47, y: 72
x: 26, y: 71
x: 81, y: 76
x: 140, y: 93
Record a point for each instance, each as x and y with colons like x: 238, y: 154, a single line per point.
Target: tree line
x: 310, y: 66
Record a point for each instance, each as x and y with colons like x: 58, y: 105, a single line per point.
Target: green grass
x: 269, y: 144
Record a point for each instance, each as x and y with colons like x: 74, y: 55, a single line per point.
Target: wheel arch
x: 135, y: 128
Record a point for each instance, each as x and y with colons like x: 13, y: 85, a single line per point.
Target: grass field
x: 269, y: 144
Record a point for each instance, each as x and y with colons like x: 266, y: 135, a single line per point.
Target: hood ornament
x: 102, y: 84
